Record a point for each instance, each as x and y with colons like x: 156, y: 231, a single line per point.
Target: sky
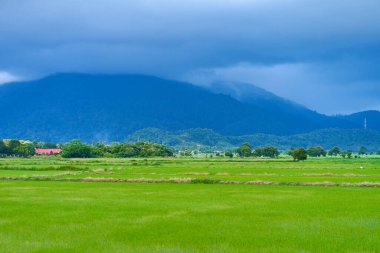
x: 324, y: 54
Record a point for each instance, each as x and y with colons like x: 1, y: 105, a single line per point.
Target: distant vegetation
x: 330, y: 142
x: 16, y: 148
x: 245, y: 150
x: 298, y: 154
x: 78, y: 149
x: 206, y: 140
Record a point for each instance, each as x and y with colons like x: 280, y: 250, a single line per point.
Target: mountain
x: 207, y: 140
x: 109, y: 107
x: 370, y: 118
x: 251, y: 94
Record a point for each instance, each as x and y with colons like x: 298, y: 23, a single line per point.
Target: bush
x: 205, y: 181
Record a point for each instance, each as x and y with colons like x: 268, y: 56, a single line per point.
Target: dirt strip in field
x: 193, y: 181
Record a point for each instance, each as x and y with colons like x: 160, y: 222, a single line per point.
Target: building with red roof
x: 47, y: 151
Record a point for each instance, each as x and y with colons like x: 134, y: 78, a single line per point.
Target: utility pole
x: 365, y: 123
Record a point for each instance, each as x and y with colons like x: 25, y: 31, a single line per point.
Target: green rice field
x: 190, y: 205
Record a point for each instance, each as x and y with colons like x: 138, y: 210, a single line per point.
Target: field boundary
x: 193, y: 181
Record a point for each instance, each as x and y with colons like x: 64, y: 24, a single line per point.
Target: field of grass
x: 321, y: 170
x: 217, y: 205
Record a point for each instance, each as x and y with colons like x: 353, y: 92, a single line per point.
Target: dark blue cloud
x: 316, y: 47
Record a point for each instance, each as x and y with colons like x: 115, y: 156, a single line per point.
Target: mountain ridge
x: 96, y: 107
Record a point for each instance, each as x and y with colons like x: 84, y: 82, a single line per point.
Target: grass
x: 332, y: 170
x: 204, y: 216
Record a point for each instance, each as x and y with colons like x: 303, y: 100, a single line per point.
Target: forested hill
x: 109, y: 107
x: 370, y: 118
x: 208, y: 140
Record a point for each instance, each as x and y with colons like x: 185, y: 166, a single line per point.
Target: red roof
x: 47, y: 151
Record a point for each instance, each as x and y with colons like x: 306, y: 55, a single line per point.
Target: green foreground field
x: 319, y: 170
x: 47, y: 205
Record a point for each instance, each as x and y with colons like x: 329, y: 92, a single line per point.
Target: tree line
x: 298, y: 154
x: 16, y: 148
x: 78, y: 149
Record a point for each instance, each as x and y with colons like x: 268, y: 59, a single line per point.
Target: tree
x: 12, y: 146
x: 16, y: 148
x: 334, y: 151
x: 3, y: 149
x: 347, y: 154
x: 185, y: 153
x: 289, y: 151
x: 43, y: 144
x: 378, y: 152
x: 24, y: 150
x: 267, y: 151
x: 299, y: 154
x: 244, y: 150
x: 124, y: 150
x: 150, y: 149
x: 316, y: 151
x: 77, y: 149
x: 362, y: 150
x: 229, y: 154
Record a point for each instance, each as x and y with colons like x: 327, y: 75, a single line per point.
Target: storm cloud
x: 323, y: 54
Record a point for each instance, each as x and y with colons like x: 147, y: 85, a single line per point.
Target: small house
x: 47, y: 151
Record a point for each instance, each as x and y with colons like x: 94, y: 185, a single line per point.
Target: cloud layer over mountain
x: 323, y: 54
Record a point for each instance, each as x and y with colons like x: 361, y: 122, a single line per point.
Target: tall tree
x: 229, y: 154
x: 267, y: 151
x: 299, y: 154
x: 245, y: 150
x: 316, y: 151
x: 362, y: 150
x: 76, y: 149
x: 3, y: 149
x: 334, y: 151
